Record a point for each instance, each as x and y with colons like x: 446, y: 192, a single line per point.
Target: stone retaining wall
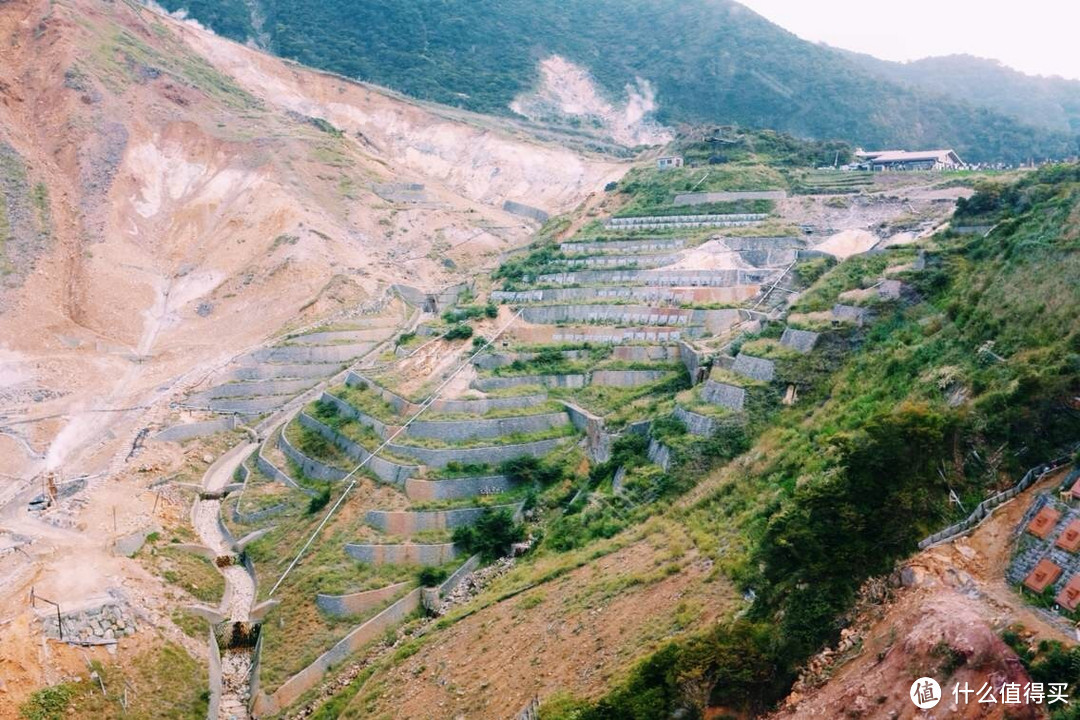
x: 625, y: 246
x: 524, y: 210
x: 702, y: 198
x: 278, y: 372
x: 695, y: 424
x: 345, y: 409
x: 402, y: 554
x: 462, y: 430
x: 668, y: 278
x: 243, y: 406
x: 257, y: 388
x: 618, y: 335
x: 386, y: 470
x: 598, y: 442
x: 725, y: 395
x: 488, y: 384
x: 478, y: 406
x: 613, y: 261
x: 659, y: 454
x: 456, y: 488
x: 697, y: 363
x: 618, y: 314
x: 647, y: 353
x: 310, y: 676
x: 410, y: 522
x: 627, y: 378
x: 647, y: 294
x: 358, y: 602
x: 96, y: 625
x: 754, y: 368
x: 490, y: 454
x: 189, y: 431
x: 342, y: 337
x: 273, y: 471
x: 331, y: 354
x: 312, y: 468
x: 800, y: 340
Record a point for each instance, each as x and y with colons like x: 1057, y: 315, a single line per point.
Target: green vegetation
x: 708, y: 61
x: 1050, y: 662
x: 162, y: 683
x: 837, y: 490
x: 459, y: 332
x: 491, y: 535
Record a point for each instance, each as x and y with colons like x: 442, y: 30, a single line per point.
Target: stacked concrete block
x: 402, y: 554
x: 754, y: 368
x: 726, y: 396
x: 800, y: 340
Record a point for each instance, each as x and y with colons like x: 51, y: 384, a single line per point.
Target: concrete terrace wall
x: 403, y: 554
x: 273, y: 471
x: 310, y: 676
x: 724, y: 395
x: 697, y: 363
x: 647, y: 294
x: 410, y: 522
x: 276, y: 372
x: 501, y: 383
x: 400, y: 404
x: 618, y: 335
x: 333, y: 337
x: 695, y: 424
x: 347, y: 410
x: 257, y: 388
x: 180, y: 433
x: 525, y: 211
x: 669, y: 278
x: 612, y: 261
x: 386, y: 470
x: 461, y: 430
x: 243, y: 406
x: 624, y: 246
x: 647, y: 353
x: 456, y: 488
x: 702, y: 198
x: 754, y: 367
x: 311, y: 467
x: 490, y: 361
x: 491, y: 454
x: 627, y: 378
x: 358, y: 602
x: 652, y: 222
x: 659, y: 454
x: 598, y: 442
x: 621, y: 314
x: 330, y: 354
x: 801, y: 340
x: 479, y: 406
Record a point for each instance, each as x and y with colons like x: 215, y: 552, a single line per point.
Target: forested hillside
x: 1050, y: 102
x: 709, y: 60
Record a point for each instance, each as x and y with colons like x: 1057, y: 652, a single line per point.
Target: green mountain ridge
x: 709, y: 60
x: 1050, y: 102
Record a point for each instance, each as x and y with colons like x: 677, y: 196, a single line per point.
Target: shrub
x: 432, y: 576
x: 491, y: 535
x: 318, y: 502
x: 459, y: 332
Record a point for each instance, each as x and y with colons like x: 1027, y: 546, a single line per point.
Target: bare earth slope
x: 170, y: 200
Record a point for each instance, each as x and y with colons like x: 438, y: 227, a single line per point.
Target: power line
x: 423, y: 406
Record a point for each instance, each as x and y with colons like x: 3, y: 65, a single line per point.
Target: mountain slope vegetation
x: 1050, y: 102
x: 709, y: 61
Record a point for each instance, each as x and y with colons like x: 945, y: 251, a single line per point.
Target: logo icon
x: 925, y: 693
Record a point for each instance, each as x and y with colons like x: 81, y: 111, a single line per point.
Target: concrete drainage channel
x: 233, y: 638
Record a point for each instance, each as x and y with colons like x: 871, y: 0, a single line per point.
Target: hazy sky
x: 1039, y: 37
